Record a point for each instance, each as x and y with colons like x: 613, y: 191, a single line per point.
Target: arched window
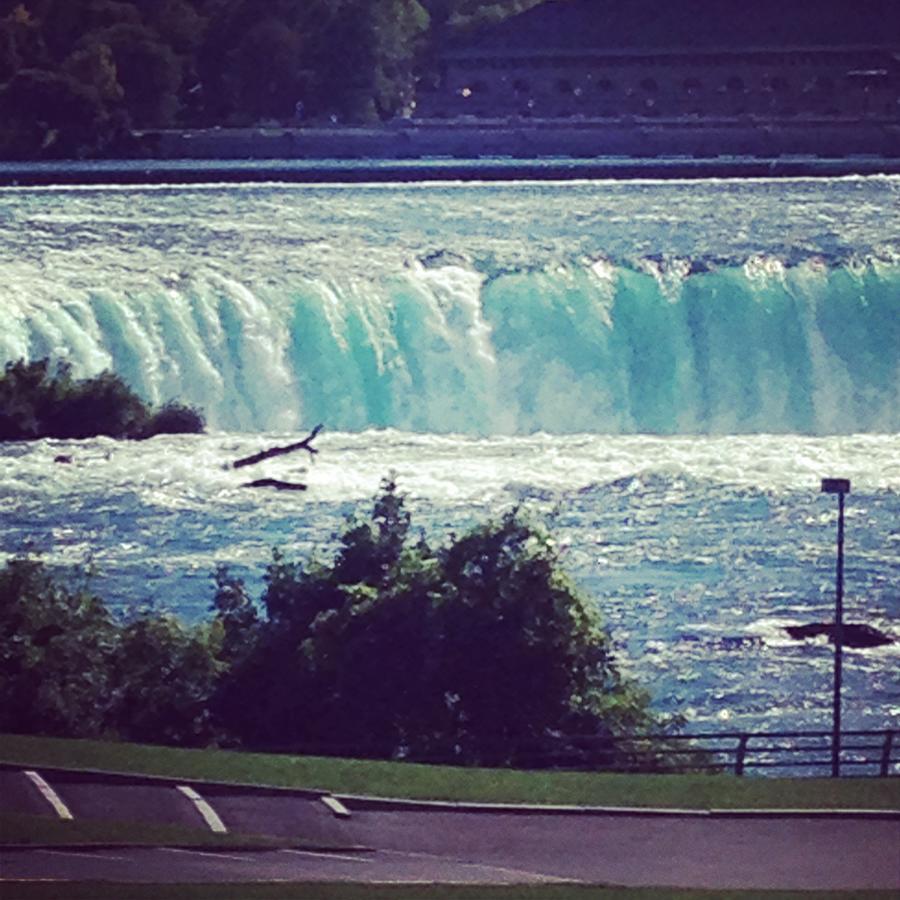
x: 564, y: 86
x: 692, y: 85
x: 779, y: 84
x: 604, y: 84
x: 521, y: 86
x: 735, y: 85
x: 649, y: 85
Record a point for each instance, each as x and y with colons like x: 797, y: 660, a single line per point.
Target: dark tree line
x: 76, y: 76
x: 468, y: 651
x: 39, y: 401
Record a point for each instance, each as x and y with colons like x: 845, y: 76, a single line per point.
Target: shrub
x: 57, y: 642
x: 174, y: 418
x: 68, y: 669
x: 35, y: 403
x: 472, y: 652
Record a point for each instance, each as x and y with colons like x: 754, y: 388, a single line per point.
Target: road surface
x: 434, y: 843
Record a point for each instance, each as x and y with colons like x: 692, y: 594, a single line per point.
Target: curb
x: 366, y: 803
x: 205, y: 848
x: 221, y: 787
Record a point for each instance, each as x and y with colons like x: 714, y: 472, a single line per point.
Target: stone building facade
x: 558, y: 83
x: 684, y: 61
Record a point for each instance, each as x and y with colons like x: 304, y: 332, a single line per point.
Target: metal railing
x: 872, y: 753
x: 869, y: 753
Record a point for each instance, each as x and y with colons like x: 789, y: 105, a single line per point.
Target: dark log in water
x: 275, y: 483
x: 855, y: 635
x: 305, y: 444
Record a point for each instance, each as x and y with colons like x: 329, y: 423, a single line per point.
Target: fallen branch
x: 277, y: 484
x: 305, y: 444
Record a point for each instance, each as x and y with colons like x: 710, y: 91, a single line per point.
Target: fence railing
x: 870, y: 753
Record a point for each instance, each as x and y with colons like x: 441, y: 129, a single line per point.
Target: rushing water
x: 663, y: 370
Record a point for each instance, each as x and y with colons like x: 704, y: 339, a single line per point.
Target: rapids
x: 602, y: 308
x: 664, y: 371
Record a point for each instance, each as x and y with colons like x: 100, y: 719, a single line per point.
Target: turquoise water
x: 664, y: 370
x: 695, y: 307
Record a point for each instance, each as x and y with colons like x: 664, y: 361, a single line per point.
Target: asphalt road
x: 433, y: 843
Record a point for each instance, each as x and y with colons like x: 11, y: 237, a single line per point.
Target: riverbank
x: 489, y: 150
x: 360, y: 171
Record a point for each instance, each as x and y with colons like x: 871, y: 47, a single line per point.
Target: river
x: 663, y: 371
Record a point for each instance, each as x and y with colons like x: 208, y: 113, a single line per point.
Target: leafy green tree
x: 48, y: 114
x: 67, y: 668
x: 399, y: 28
x: 268, y: 79
x: 103, y: 404
x: 236, y: 615
x: 524, y: 650
x: 36, y: 403
x: 94, y: 67
x: 22, y: 44
x: 163, y: 676
x: 57, y: 642
x: 179, y: 23
x: 172, y: 418
x: 470, y: 652
x: 149, y: 71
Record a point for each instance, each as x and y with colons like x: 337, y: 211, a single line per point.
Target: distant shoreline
x: 491, y: 169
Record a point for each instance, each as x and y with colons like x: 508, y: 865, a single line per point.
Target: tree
x: 149, y: 71
x: 268, y: 79
x: 236, y: 614
x: 94, y: 67
x: 22, y: 43
x: 56, y: 644
x: 67, y: 668
x: 163, y: 676
x: 400, y: 28
x: 49, y: 114
x: 35, y: 403
x: 470, y: 652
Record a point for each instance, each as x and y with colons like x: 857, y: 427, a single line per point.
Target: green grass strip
x: 311, y: 891
x: 391, y: 779
x: 24, y: 829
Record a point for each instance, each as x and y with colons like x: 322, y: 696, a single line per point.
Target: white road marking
x: 356, y: 859
x: 336, y: 806
x: 490, y: 867
x: 49, y: 795
x: 210, y: 816
x: 87, y: 853
x: 204, y: 853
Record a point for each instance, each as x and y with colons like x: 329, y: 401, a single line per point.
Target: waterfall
x: 601, y: 347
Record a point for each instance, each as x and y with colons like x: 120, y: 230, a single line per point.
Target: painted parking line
x: 204, y: 853
x: 356, y: 859
x: 210, y: 816
x: 83, y: 854
x: 49, y: 795
x: 485, y: 867
x: 336, y: 807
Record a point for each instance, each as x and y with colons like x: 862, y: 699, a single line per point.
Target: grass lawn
x: 390, y: 779
x: 282, y: 891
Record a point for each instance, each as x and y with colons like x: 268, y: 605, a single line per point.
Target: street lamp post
x: 839, y: 486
